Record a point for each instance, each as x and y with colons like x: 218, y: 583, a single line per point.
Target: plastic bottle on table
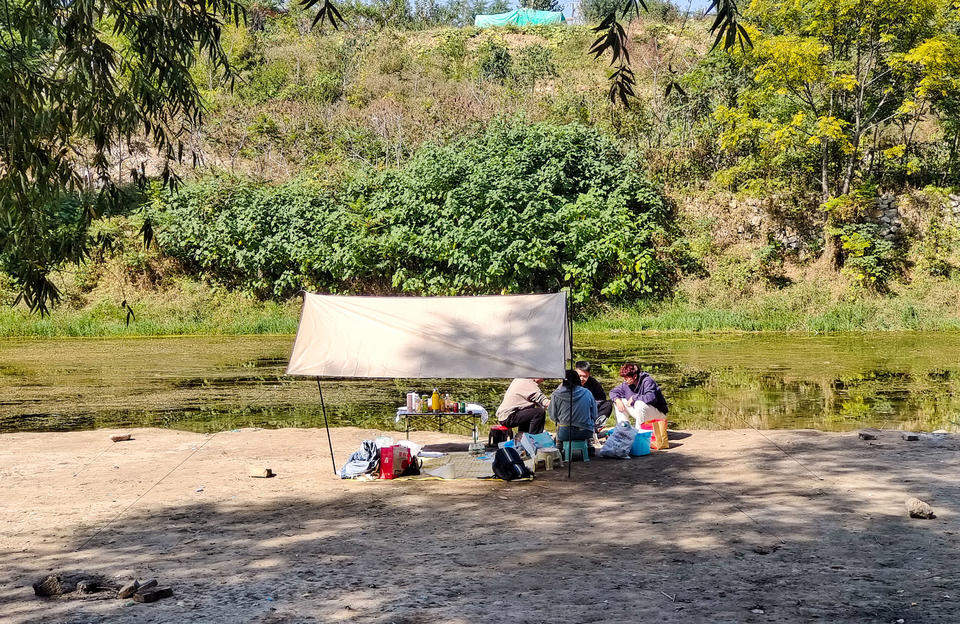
x: 435, y: 401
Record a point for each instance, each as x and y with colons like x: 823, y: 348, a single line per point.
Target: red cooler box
x: 393, y: 461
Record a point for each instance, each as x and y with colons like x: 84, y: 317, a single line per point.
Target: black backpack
x: 508, y: 466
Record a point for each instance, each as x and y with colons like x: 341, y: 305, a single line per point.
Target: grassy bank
x: 839, y: 317
x: 196, y: 309
x: 810, y: 304
x: 192, y: 311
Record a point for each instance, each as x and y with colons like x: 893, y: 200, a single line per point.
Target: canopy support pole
x: 570, y: 367
x: 323, y: 408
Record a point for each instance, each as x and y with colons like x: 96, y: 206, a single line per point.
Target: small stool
x: 547, y: 457
x: 498, y: 434
x: 577, y: 445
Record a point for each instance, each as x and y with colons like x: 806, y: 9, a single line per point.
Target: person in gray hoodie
x: 575, y: 421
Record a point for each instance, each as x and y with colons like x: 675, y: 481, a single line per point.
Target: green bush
x: 518, y: 208
x: 533, y: 63
x: 935, y: 245
x: 868, y: 257
x: 495, y: 62
x: 453, y: 52
x: 265, y: 82
x: 596, y: 10
x: 541, y: 5
x: 247, y: 235
x: 521, y: 208
x: 326, y: 87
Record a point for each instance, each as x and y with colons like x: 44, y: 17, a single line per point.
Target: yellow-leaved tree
x: 841, y: 88
x: 845, y: 96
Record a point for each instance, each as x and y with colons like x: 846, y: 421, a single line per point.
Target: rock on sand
x: 919, y: 509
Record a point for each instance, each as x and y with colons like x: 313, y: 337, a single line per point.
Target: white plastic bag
x: 383, y: 440
x: 413, y: 446
x: 619, y: 442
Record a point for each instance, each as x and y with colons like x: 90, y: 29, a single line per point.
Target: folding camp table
x: 467, y: 419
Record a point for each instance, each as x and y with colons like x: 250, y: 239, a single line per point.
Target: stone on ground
x: 148, y: 585
x: 258, y: 471
x: 152, y: 595
x: 128, y: 590
x: 919, y: 509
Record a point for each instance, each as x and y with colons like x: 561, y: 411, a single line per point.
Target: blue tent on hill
x: 520, y: 17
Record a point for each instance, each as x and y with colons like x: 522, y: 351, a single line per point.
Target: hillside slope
x: 753, y: 245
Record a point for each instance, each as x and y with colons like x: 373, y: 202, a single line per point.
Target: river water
x: 828, y: 382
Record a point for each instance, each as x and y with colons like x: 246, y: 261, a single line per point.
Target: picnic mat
x: 457, y: 465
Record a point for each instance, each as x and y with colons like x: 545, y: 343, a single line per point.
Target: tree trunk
x: 832, y: 249
x: 848, y: 173
x: 831, y: 243
x: 824, y: 175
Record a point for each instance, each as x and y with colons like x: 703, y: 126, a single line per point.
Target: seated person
x: 638, y: 396
x: 523, y: 406
x: 588, y: 381
x: 576, y: 423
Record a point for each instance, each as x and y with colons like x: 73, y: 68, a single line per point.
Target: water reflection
x: 206, y: 384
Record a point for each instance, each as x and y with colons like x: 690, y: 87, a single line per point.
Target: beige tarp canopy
x: 432, y: 337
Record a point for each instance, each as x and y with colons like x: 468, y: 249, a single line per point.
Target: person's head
x: 571, y: 379
x: 583, y: 370
x: 629, y: 372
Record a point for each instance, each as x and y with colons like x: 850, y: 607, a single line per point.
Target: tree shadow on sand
x: 671, y: 537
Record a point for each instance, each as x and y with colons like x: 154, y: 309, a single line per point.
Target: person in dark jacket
x: 638, y: 396
x: 575, y: 421
x: 588, y: 381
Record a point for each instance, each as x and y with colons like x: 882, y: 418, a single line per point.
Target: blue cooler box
x: 641, y: 443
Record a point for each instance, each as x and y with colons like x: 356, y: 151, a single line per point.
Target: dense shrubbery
x: 247, y: 235
x: 858, y: 245
x: 868, y: 257
x: 495, y: 63
x: 519, y: 208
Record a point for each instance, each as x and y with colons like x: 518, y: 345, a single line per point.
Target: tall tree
x: 841, y: 87
x: 542, y: 5
x: 79, y: 81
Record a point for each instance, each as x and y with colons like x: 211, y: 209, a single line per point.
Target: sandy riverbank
x: 720, y: 527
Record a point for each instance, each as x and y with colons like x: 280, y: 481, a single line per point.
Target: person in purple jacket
x: 638, y: 396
